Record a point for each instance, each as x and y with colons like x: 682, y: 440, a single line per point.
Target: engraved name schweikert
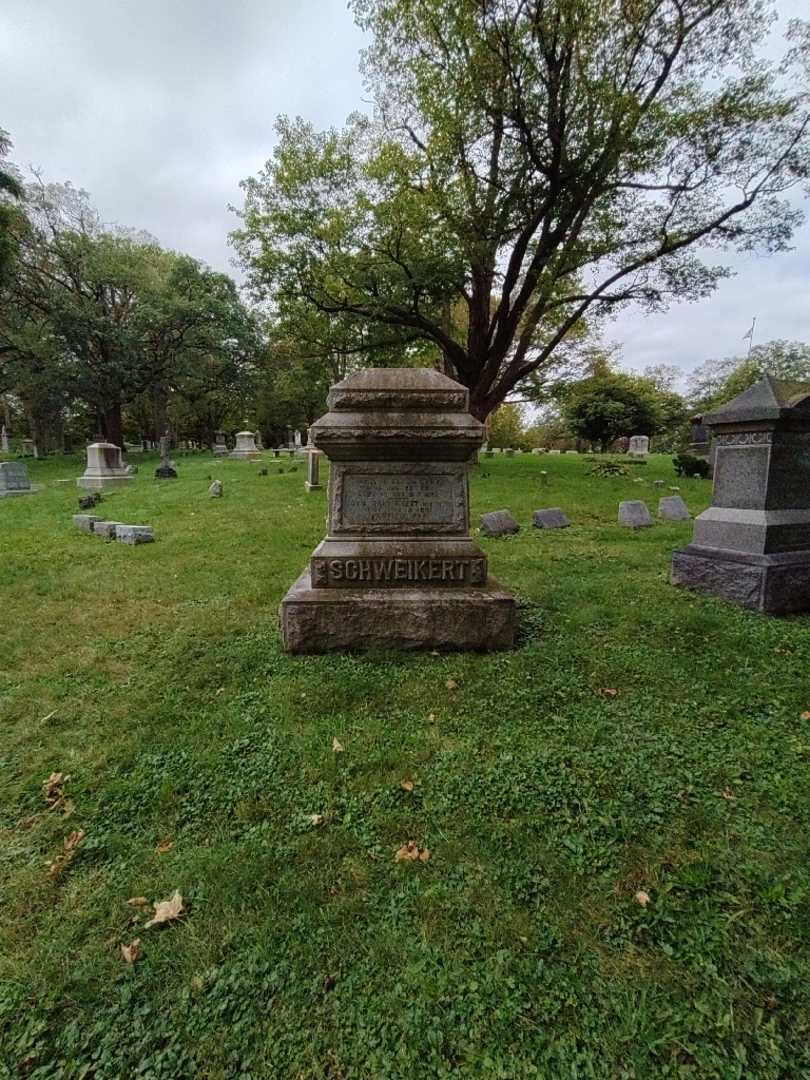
x: 385, y: 572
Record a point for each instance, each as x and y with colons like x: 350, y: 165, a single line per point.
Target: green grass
x: 153, y: 676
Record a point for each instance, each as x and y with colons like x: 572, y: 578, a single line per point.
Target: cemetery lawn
x: 617, y: 812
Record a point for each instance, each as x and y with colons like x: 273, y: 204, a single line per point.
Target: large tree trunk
x: 111, y: 425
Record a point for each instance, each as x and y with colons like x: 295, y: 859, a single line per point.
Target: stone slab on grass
x: 634, y: 514
x: 498, y: 523
x: 550, y: 518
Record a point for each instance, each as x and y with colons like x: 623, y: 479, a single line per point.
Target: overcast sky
x: 159, y: 108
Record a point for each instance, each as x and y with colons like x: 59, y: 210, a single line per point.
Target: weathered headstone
x: 552, y: 518
x: 29, y: 448
x: 106, y: 529
x: 134, y: 534
x: 245, y: 445
x: 220, y: 447
x: 555, y: 451
x: 398, y: 567
x: 509, y: 451
x: 752, y: 545
x: 673, y: 508
x: 166, y: 470
x: 215, y: 491
x: 105, y: 468
x: 4, y: 447
x: 85, y: 522
x: 639, y: 446
x: 498, y: 523
x: 14, y: 480
x: 312, y: 482
x: 634, y: 514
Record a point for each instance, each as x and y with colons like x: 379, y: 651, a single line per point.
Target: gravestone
x: 673, y: 508
x: 498, y: 523
x: 220, y: 447
x: 14, y: 480
x: 312, y: 482
x: 85, y: 522
x: 638, y: 446
x: 752, y: 545
x: 106, y: 529
x: 215, y: 491
x: 4, y: 447
x: 398, y: 567
x: 105, y: 468
x: 552, y: 518
x: 634, y: 514
x: 509, y: 451
x: 245, y: 445
x: 165, y: 471
x: 134, y: 534
x: 29, y: 448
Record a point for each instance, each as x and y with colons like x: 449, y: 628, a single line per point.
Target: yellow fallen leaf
x: 337, y: 746
x: 138, y: 901
x: 642, y: 898
x: 316, y: 819
x: 727, y: 793
x: 406, y: 785
x: 608, y: 691
x: 431, y: 718
x: 132, y: 952
x: 451, y: 684
x: 166, y: 910
x: 805, y: 715
x: 74, y: 839
x: 411, y: 852
x: 70, y: 844
x: 164, y: 846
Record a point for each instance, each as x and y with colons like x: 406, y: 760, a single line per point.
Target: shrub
x: 689, y: 465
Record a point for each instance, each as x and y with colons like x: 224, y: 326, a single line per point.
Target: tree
x: 113, y: 312
x: 11, y: 217
x: 717, y: 381
x: 604, y: 407
x: 563, y: 157
x: 506, y: 426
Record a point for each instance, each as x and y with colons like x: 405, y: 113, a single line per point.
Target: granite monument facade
x: 105, y: 468
x: 398, y: 567
x: 752, y: 545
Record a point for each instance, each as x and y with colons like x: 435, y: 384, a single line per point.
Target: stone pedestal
x: 752, y: 545
x: 245, y: 445
x: 313, y: 481
x: 398, y: 567
x: 220, y: 446
x: 105, y: 468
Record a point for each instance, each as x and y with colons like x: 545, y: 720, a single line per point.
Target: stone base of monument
x: 103, y: 483
x: 478, y: 618
x: 777, y: 584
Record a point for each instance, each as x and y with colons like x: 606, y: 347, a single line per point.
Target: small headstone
x: 131, y: 470
x: 134, y: 534
x: 673, y: 508
x: 634, y: 514
x: 572, y: 451
x: 166, y: 470
x: 215, y: 491
x: 509, y: 451
x: 220, y: 446
x: 106, y: 529
x: 85, y: 522
x: 538, y: 450
x: 555, y: 451
x: 498, y: 523
x: 552, y: 518
x: 658, y: 483
x: 312, y: 482
x: 14, y: 480
x: 639, y: 446
x: 276, y: 453
x: 87, y: 502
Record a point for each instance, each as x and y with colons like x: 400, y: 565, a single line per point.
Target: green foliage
x: 689, y: 465
x: 604, y: 407
x: 606, y: 467
x: 532, y: 165
x: 154, y: 677
x: 718, y: 381
x: 12, y: 219
x: 506, y: 427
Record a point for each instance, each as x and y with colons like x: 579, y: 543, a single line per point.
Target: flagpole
x: 751, y: 337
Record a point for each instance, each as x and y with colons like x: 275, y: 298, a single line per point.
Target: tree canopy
x: 717, y: 381
x: 535, y: 162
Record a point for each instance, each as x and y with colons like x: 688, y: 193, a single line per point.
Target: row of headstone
x: 502, y: 523
x: 635, y: 514
x: 115, y: 530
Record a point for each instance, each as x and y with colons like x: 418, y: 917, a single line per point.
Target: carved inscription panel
x: 14, y: 477
x: 382, y: 572
x: 376, y: 502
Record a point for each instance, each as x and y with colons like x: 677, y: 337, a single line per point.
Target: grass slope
x: 153, y: 677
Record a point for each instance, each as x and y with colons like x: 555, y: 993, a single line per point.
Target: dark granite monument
x: 752, y: 545
x: 398, y: 567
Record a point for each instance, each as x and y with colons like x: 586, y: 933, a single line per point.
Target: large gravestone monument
x: 14, y: 480
x: 638, y: 446
x: 752, y: 545
x: 165, y: 471
x: 245, y: 445
x: 398, y: 567
x: 220, y: 446
x: 105, y: 468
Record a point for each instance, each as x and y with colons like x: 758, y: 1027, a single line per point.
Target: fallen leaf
x: 164, y: 846
x: 411, y: 852
x: 132, y: 952
x: 431, y: 718
x: 329, y: 982
x: 166, y: 910
x: 70, y: 844
x: 406, y: 785
x: 316, y: 819
x: 451, y: 684
x: 138, y: 901
x: 642, y: 898
x: 337, y: 746
x: 74, y: 839
x: 727, y: 793
x: 607, y: 691
x: 805, y: 715
x: 50, y: 716
x: 53, y: 788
